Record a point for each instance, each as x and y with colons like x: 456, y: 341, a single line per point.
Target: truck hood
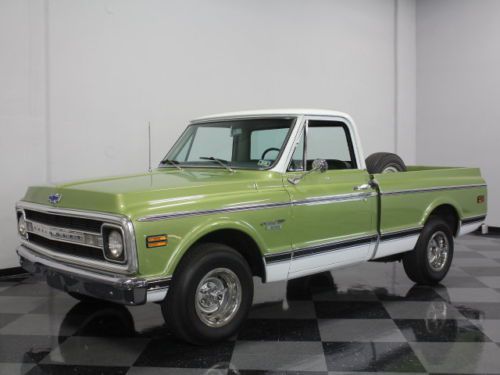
x: 163, y: 190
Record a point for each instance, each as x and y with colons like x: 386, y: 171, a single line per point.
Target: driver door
x: 333, y: 212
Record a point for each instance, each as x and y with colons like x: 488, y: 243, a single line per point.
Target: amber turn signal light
x: 157, y: 240
x: 480, y: 199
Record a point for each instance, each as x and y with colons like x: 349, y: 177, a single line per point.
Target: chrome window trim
x: 356, y: 143
x: 249, y: 207
x: 119, y: 220
x: 278, y: 164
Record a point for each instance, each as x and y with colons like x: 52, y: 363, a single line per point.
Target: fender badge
x: 55, y: 198
x: 273, y: 225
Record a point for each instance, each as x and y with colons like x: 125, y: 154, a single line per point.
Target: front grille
x: 77, y: 223
x: 67, y: 248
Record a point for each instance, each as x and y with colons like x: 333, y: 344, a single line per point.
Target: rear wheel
x: 384, y: 162
x: 210, y: 295
x: 431, y: 259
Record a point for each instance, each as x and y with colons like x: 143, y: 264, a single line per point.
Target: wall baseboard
x: 493, y: 230
x: 13, y: 271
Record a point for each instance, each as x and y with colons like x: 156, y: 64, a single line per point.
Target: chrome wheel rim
x: 437, y: 251
x: 390, y: 169
x: 218, y: 297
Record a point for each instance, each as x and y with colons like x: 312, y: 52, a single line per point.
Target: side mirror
x: 317, y: 165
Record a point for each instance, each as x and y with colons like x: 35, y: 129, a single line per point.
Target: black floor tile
x: 371, y: 357
x: 459, y: 330
x: 351, y: 310
x: 173, y: 353
x: 80, y: 370
x: 280, y: 330
x: 271, y: 372
x: 416, y: 293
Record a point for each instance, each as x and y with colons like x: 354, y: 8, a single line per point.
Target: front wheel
x: 210, y: 295
x: 431, y: 259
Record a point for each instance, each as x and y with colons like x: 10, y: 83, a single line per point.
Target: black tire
x: 83, y: 297
x: 416, y: 262
x: 382, y: 162
x: 181, y: 307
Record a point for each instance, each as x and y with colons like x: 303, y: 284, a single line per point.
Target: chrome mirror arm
x: 317, y: 165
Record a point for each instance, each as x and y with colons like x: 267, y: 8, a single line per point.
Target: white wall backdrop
x: 80, y: 79
x: 458, y: 89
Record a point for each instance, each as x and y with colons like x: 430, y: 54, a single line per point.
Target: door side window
x: 330, y: 140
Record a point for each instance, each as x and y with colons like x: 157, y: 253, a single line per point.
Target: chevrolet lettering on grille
x: 58, y: 233
x: 66, y: 235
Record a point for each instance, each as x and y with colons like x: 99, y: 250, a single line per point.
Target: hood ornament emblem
x: 55, y: 198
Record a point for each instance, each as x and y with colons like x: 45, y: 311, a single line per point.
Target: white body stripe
x: 396, y: 246
x: 469, y: 228
x: 315, y: 263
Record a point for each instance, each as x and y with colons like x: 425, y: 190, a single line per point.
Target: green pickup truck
x: 272, y: 194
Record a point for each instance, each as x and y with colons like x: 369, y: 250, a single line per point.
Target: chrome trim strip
x: 408, y: 232
x: 122, y: 221
x: 309, y: 201
x: 179, y: 214
x: 473, y: 219
x: 334, y: 198
x: 437, y: 188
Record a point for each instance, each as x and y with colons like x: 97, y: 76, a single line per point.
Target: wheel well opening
x: 242, y: 243
x: 449, y: 214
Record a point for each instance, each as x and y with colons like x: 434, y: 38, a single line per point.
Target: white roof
x: 276, y: 112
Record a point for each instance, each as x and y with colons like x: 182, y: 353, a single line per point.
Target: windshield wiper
x: 222, y: 162
x: 171, y: 162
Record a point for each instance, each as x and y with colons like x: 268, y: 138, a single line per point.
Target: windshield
x: 247, y: 144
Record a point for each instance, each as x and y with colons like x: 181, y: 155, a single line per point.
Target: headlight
x: 114, y: 245
x: 21, y: 226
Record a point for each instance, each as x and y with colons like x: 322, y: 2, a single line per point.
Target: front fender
x: 206, y: 226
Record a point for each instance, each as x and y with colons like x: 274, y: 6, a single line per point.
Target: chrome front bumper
x: 111, y: 287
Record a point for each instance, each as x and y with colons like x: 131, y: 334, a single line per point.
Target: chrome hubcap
x: 437, y: 251
x: 218, y: 297
x: 390, y: 170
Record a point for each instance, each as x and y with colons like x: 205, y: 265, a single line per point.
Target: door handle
x: 362, y: 187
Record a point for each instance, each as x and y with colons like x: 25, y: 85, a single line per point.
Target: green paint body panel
x: 168, y: 190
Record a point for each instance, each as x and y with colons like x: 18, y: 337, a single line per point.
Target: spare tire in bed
x: 384, y: 162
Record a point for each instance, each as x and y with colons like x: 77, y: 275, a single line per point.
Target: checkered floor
x: 366, y: 319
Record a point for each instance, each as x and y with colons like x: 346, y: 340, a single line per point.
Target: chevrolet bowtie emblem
x: 55, y: 198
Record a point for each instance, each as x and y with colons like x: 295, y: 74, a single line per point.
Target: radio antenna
x: 149, y: 145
